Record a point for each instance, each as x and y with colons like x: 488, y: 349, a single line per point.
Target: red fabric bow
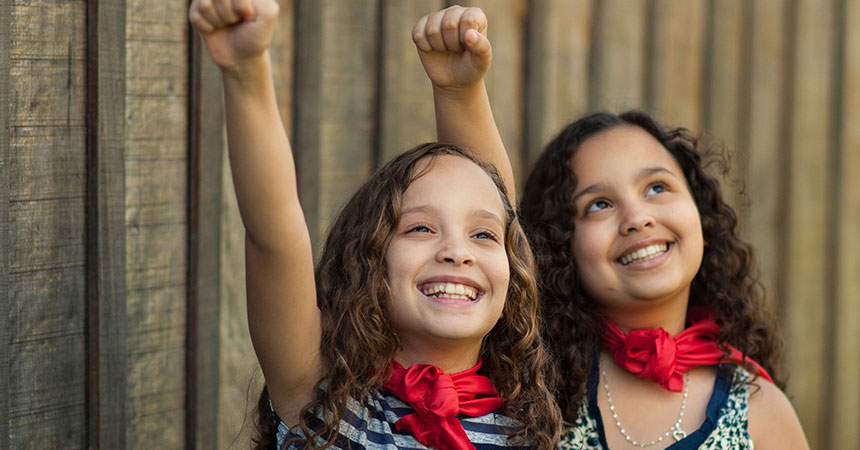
x: 437, y: 398
x: 657, y: 356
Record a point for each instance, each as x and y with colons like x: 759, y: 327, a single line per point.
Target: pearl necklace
x: 675, y: 430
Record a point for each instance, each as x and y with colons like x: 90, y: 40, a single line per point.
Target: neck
x: 669, y: 316
x: 448, y: 357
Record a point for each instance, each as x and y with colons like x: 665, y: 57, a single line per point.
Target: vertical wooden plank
x: 156, y: 181
x: 404, y: 90
x: 557, y: 61
x: 44, y: 238
x: 335, y: 94
x: 722, y: 102
x: 106, y: 223
x: 5, y: 121
x: 844, y: 389
x: 675, y: 91
x: 806, y: 295
x: 206, y: 120
x: 506, y: 78
x: 763, y: 142
x: 618, y: 56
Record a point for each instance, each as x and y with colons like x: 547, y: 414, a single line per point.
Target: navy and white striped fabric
x: 373, y: 427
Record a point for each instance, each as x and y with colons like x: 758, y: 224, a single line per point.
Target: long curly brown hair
x: 357, y: 334
x: 727, y: 279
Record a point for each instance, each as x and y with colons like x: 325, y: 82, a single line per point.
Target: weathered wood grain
x: 676, y: 51
x: 206, y: 118
x: 157, y: 118
x: 556, y: 72
x: 404, y: 89
x: 47, y: 401
x: 46, y: 234
x: 844, y: 391
x: 5, y: 175
x: 46, y: 162
x: 48, y: 30
x: 48, y: 92
x: 156, y: 21
x: 157, y: 227
x: 618, y: 51
x: 106, y: 132
x: 37, y: 313
x: 335, y: 104
x: 806, y: 295
x: 164, y: 205
x: 155, y: 69
x: 763, y: 143
x: 723, y: 95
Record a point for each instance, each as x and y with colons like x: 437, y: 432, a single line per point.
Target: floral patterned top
x: 725, y: 425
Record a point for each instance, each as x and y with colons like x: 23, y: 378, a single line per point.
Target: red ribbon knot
x: 437, y: 399
x: 655, y: 355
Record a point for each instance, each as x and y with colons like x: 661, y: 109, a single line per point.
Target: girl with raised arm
x: 419, y: 328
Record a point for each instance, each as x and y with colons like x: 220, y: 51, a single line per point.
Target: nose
x: 635, y: 218
x: 455, y: 250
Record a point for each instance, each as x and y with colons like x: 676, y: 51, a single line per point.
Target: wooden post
x: 618, y: 54
x: 335, y: 128
x: 106, y: 223
x: 205, y: 137
x: 404, y: 89
x: 807, y: 296
x: 843, y: 388
x: 556, y: 73
x: 762, y: 137
x: 5, y: 121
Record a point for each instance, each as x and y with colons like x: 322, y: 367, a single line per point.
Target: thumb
x: 479, y: 47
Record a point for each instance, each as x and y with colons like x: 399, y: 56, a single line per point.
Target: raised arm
x: 283, y: 318
x: 456, y: 54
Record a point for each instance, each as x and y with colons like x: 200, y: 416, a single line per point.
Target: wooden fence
x: 121, y: 270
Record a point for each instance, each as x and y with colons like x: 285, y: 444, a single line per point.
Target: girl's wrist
x: 248, y: 72
x: 459, y: 93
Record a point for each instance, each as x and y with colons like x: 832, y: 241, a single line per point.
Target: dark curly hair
x: 354, y: 296
x: 727, y: 279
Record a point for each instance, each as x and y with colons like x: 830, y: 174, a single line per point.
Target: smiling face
x: 638, y: 236
x: 447, y: 264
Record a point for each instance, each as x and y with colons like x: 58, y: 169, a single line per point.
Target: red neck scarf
x: 437, y: 398
x: 656, y: 355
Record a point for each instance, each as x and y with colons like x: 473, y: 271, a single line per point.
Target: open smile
x: 450, y: 290
x: 644, y: 254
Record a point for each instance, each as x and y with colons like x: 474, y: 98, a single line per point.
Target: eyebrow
x: 643, y: 174
x: 479, y: 213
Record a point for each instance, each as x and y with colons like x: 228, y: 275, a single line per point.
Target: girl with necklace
x: 651, y: 301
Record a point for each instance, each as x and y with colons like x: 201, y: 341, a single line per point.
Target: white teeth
x: 644, y: 254
x: 449, y: 290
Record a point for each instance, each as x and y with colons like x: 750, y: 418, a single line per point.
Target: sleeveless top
x: 725, y: 425
x: 372, y: 427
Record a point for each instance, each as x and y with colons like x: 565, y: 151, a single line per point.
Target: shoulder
x: 772, y: 420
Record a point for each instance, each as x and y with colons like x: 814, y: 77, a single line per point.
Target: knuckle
x: 449, y: 24
x: 205, y: 6
x: 432, y: 31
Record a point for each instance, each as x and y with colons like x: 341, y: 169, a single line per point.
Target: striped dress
x: 372, y: 427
